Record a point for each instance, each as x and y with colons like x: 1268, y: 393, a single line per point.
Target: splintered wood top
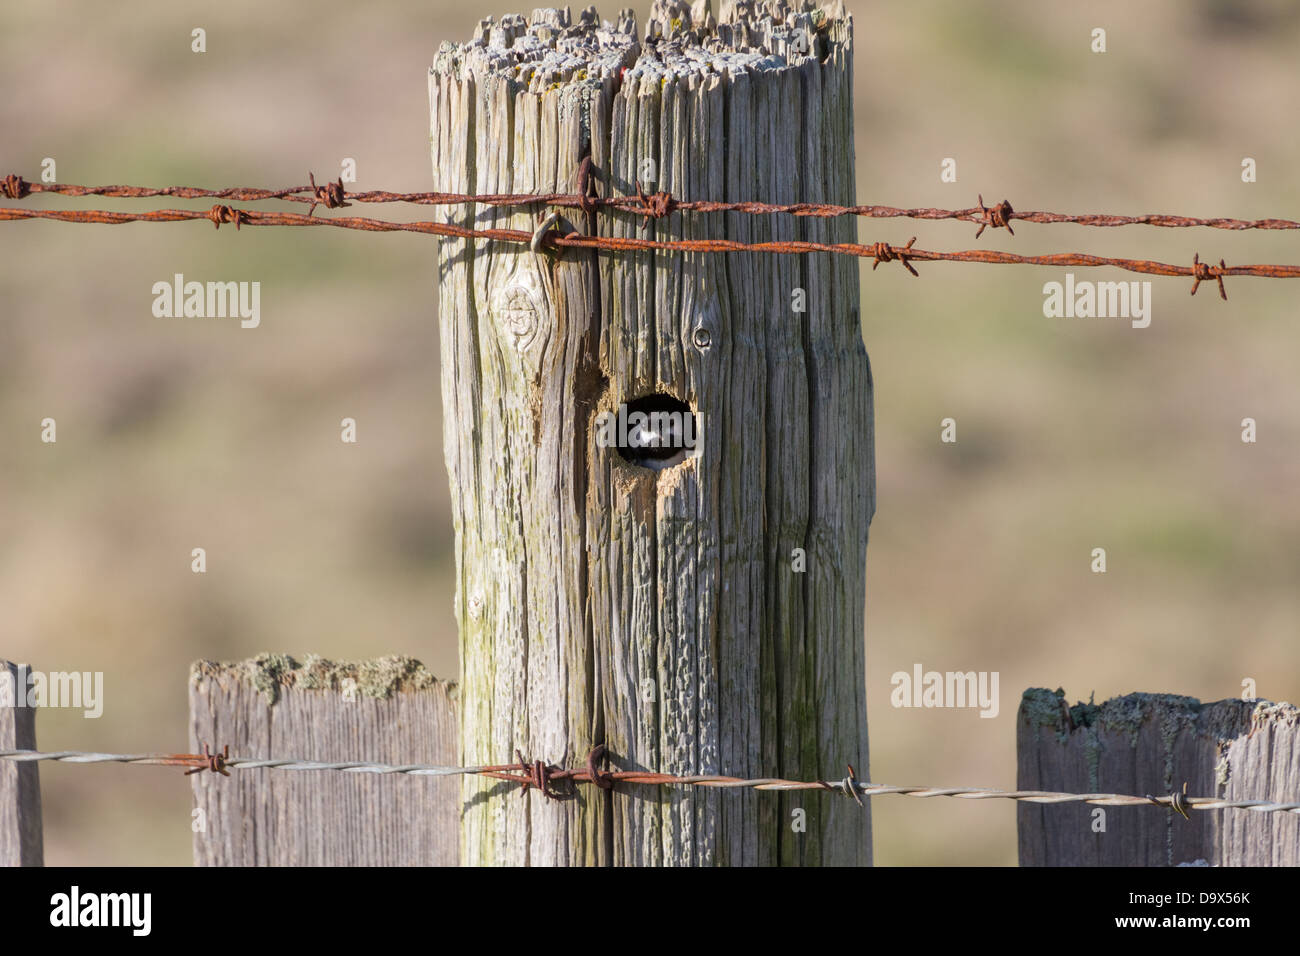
x: 551, y: 47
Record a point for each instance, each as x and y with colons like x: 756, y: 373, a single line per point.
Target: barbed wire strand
x: 999, y: 215
x: 525, y: 773
x: 879, y: 251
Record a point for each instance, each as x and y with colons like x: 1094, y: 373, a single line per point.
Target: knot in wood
x: 330, y: 195
x: 15, y: 187
x: 219, y: 214
x: 1203, y: 272
x: 999, y: 217
x: 518, y: 315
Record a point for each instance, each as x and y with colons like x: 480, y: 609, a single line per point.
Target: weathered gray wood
x: 1150, y: 744
x: 21, y: 840
x: 657, y: 611
x: 1263, y: 763
x: 389, y: 710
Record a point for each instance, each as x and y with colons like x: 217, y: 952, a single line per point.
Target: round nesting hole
x: 654, y: 431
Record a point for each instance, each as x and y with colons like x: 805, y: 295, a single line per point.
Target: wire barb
x: 330, y: 195
x: 1203, y: 272
x: 15, y: 187
x: 538, y: 774
x: 219, y: 214
x: 1176, y: 801
x: 884, y: 252
x: 999, y: 216
x: 654, y: 205
x: 210, y: 761
x: 850, y: 785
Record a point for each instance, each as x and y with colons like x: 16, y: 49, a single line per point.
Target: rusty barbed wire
x: 216, y: 763
x: 652, y: 205
x: 879, y: 251
x: 538, y: 774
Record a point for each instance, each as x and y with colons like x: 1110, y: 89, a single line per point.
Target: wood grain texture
x: 659, y: 612
x: 390, y: 711
x: 1150, y: 744
x: 21, y: 838
x: 1263, y: 763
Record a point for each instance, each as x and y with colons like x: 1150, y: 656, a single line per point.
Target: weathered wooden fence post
x: 389, y: 710
x: 704, y: 617
x: 21, y: 839
x: 1151, y: 744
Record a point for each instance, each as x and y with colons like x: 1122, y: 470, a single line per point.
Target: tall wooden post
x: 705, y: 617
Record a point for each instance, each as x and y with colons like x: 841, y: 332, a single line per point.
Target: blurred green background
x: 1073, y: 434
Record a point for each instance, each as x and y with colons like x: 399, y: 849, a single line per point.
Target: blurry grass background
x: 1073, y: 434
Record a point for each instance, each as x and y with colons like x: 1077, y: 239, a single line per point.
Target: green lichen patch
x: 1040, y: 707
x: 1092, y: 749
x: 1124, y: 715
x: 1085, y: 715
x: 270, y: 673
x: 1127, y: 714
